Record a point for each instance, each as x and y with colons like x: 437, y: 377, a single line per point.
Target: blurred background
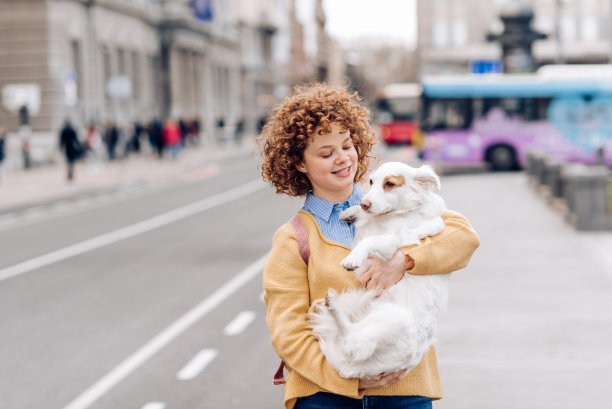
x: 134, y: 224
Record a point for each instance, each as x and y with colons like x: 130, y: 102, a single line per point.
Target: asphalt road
x: 106, y: 326
x: 151, y: 299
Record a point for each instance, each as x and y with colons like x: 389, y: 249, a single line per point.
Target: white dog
x: 363, y: 335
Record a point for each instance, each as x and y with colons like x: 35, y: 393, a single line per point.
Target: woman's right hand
x: 381, y: 381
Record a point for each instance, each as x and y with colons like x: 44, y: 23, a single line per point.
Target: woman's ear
x: 300, y: 166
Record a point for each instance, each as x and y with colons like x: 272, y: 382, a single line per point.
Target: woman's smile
x: 344, y: 172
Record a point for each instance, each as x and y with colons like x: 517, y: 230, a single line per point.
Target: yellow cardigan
x: 291, y: 288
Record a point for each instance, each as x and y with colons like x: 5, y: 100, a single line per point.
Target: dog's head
x: 398, y: 186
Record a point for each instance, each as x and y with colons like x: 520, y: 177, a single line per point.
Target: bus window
x: 448, y: 114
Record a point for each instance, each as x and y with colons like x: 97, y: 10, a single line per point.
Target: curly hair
x: 292, y: 124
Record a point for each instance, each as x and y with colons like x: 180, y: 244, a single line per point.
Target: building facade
x: 453, y: 33
x: 127, y: 61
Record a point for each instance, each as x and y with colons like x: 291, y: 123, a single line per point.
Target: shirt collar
x: 324, y: 209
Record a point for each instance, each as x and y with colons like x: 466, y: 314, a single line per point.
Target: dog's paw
x: 349, y: 219
x: 352, y: 262
x: 330, y: 299
x: 320, y: 308
x: 349, y: 215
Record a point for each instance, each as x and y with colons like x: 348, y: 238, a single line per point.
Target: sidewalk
x: 48, y: 183
x: 529, y: 321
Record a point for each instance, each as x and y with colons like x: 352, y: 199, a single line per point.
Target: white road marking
x: 131, y: 231
x: 154, y: 405
x: 239, y: 323
x: 60, y: 206
x: 8, y: 219
x: 197, y: 364
x: 125, y: 368
x: 33, y: 212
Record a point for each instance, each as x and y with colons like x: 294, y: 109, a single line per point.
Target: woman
x: 318, y: 144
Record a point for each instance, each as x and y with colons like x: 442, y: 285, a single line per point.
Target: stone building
x: 453, y: 33
x: 128, y: 61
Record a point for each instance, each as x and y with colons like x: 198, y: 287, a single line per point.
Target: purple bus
x: 495, y: 120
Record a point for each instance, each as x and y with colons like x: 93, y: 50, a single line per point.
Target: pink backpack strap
x: 302, y: 237
x: 304, y: 249
x: 279, y: 376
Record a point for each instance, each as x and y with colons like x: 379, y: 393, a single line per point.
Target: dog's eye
x: 389, y: 184
x: 371, y: 181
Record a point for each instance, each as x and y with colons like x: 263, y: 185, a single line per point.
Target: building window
x: 121, y: 61
x: 77, y: 67
x: 136, y: 76
x: 440, y: 33
x: 155, y: 85
x: 568, y: 29
x: 460, y: 33
x: 589, y: 29
x: 106, y: 70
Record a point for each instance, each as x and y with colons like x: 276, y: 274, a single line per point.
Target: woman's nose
x: 343, y: 157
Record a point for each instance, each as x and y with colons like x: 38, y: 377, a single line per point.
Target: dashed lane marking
x: 239, y: 323
x: 154, y: 405
x: 197, y: 364
x: 125, y: 368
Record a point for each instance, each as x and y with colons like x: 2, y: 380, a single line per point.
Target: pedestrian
x: 239, y: 131
x: 94, y: 148
x: 172, y: 137
x: 70, y: 144
x: 156, y: 138
x: 221, y: 130
x: 2, y: 143
x: 111, y: 138
x: 317, y: 144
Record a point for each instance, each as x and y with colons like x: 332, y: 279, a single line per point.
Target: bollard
x: 534, y: 166
x: 586, y: 191
x: 552, y: 178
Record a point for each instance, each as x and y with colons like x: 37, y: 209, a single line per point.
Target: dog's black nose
x: 365, y: 205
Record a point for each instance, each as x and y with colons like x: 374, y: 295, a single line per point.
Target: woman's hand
x: 381, y: 381
x: 384, y: 275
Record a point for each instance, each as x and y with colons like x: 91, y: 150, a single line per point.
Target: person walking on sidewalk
x: 70, y: 144
x: 318, y: 144
x: 2, y: 143
x: 172, y: 137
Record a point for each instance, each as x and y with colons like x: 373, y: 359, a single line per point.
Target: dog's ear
x: 427, y: 179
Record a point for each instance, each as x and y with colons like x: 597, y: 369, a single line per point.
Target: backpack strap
x: 302, y: 237
x: 304, y: 249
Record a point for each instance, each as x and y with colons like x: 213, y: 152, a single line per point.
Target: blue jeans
x: 324, y: 400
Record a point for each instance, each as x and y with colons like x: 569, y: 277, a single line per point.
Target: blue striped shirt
x: 326, y: 214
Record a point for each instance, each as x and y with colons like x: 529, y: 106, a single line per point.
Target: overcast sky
x: 393, y: 20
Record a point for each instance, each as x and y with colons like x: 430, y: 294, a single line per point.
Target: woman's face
x: 330, y: 163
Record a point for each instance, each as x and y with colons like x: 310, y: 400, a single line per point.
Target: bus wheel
x: 501, y: 158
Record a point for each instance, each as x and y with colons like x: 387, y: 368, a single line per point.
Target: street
x: 151, y: 298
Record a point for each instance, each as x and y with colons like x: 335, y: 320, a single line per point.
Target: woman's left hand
x: 384, y: 275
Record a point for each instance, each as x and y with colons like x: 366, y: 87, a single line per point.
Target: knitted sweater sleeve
x: 286, y: 293
x: 447, y: 251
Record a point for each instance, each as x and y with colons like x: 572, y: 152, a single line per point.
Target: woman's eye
x: 346, y: 148
x: 328, y: 155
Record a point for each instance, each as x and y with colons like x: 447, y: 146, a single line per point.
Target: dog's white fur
x: 363, y: 335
